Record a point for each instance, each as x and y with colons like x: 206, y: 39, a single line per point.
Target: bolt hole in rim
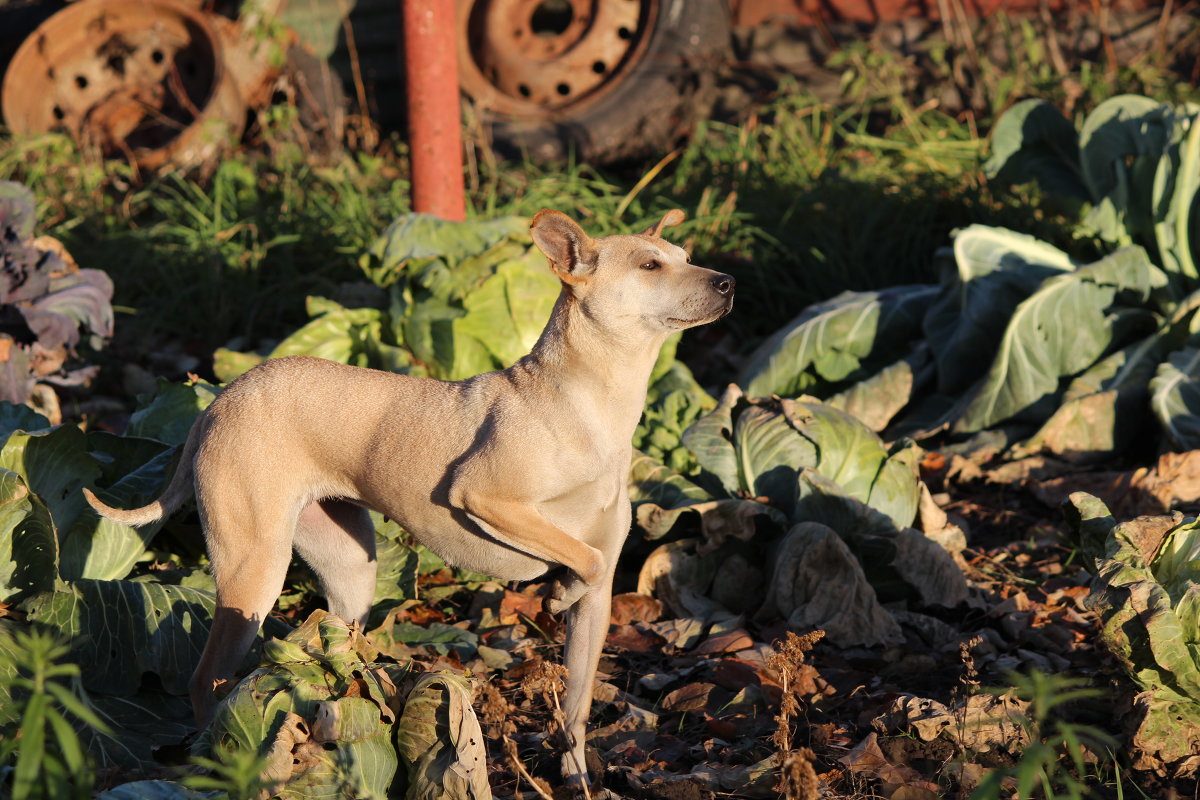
x: 544, y: 58
x: 147, y: 88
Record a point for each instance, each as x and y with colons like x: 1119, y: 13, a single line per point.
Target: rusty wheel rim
x: 544, y: 58
x: 143, y: 79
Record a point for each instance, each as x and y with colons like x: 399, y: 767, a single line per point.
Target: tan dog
x: 508, y: 473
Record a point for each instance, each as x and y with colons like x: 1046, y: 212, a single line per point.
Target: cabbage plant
x: 814, y: 489
x: 331, y: 720
x: 1021, y: 340
x: 1146, y: 592
x: 48, y: 305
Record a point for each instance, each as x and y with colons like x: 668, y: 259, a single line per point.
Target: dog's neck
x: 578, y: 355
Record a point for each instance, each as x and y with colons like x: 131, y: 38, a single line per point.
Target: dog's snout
x: 723, y: 284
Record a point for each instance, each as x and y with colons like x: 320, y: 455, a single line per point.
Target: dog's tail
x: 178, y: 490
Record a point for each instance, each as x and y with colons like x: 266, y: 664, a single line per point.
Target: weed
x: 47, y: 758
x: 797, y: 778
x: 235, y: 772
x: 497, y: 714
x: 549, y: 680
x: 1054, y: 761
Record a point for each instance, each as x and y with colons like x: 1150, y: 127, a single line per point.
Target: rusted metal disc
x: 597, y: 80
x: 531, y: 57
x: 142, y: 79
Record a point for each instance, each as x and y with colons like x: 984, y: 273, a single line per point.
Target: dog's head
x: 640, y: 278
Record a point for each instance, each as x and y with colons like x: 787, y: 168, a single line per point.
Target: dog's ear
x: 672, y: 217
x: 572, y: 252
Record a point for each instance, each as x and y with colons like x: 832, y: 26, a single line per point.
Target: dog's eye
x: 650, y: 266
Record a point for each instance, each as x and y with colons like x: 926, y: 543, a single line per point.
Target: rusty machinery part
x: 140, y: 79
x: 603, y: 79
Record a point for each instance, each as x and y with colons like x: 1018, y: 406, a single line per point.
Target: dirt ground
x: 685, y: 713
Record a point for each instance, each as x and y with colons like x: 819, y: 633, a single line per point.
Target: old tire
x: 644, y: 95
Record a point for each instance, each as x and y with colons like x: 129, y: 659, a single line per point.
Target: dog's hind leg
x: 337, y: 540
x: 250, y: 551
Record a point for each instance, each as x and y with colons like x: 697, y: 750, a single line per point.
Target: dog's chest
x: 591, y: 481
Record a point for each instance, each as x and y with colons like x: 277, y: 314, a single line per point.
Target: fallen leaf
x: 495, y: 658
x: 990, y: 722
x: 865, y: 756
x: 867, y: 759
x: 754, y: 780
x: 516, y: 605
x: 928, y: 718
x: 921, y: 790
x: 738, y: 585
x: 669, y: 749
x: 692, y: 697
x: 927, y: 566
x: 604, y: 692
x: 630, y: 750
x: 1033, y: 469
x: 1174, y: 480
x: 819, y: 584
x: 734, y: 674
x: 635, y: 723
x: 440, y: 743
x: 722, y: 728
x: 631, y: 639
x: 680, y: 576
x: 727, y: 642
x: 930, y: 516
x: 634, y: 607
x: 682, y: 633
x: 657, y: 681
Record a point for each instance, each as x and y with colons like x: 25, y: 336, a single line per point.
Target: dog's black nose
x: 723, y: 283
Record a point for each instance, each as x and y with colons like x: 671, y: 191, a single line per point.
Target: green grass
x: 794, y: 214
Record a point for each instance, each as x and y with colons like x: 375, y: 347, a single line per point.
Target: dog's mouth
x: 679, y: 322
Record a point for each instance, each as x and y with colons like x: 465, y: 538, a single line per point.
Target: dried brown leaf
x: 725, y: 642
x: 515, y: 605
x: 632, y: 639
x: 818, y: 583
x: 692, y: 697
x: 634, y: 607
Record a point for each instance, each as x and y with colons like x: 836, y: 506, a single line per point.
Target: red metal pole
x: 434, y: 120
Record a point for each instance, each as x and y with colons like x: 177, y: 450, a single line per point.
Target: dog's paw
x: 564, y: 592
x: 554, y: 605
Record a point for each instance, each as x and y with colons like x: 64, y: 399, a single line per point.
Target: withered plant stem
x: 797, y: 778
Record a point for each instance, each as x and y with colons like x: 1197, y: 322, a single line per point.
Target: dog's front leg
x: 518, y: 524
x: 587, y: 627
x: 587, y: 621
